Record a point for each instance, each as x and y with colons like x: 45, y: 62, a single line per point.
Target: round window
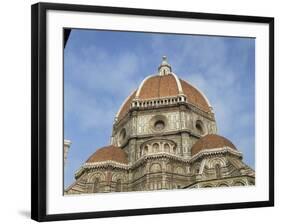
x: 159, y: 125
x: 199, y: 127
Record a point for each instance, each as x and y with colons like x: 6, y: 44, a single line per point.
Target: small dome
x: 211, y: 141
x: 109, y: 153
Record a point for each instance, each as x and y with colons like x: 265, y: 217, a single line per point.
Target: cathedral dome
x: 163, y: 85
x: 158, y: 86
x: 211, y: 141
x: 110, y: 152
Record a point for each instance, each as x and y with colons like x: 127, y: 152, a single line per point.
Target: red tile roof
x: 166, y: 86
x: 211, y: 141
x: 109, y: 153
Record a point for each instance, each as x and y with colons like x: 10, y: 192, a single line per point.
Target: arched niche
x: 211, y: 163
x: 169, y: 168
x: 96, y: 185
x: 157, y: 146
x: 179, y: 170
x: 99, y: 175
x: 239, y: 183
x: 223, y: 185
x: 118, y: 187
x: 218, y: 171
x: 166, y: 147
x: 155, y: 167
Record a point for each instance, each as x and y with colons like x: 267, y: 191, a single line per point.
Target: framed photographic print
x: 140, y: 111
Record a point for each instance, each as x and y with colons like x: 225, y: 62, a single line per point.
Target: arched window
x: 159, y: 125
x: 146, y: 149
x: 166, y: 147
x: 169, y: 168
x: 174, y: 149
x: 96, y: 185
x: 218, y: 171
x: 199, y: 127
x: 155, y: 147
x: 118, y: 186
x: 179, y: 170
x: 155, y: 168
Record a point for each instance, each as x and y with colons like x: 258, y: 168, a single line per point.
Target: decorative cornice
x: 209, y: 115
x: 114, y: 164
x: 157, y: 156
x: 180, y: 101
x: 160, y: 135
x: 219, y: 180
x: 215, y: 151
x: 106, y: 164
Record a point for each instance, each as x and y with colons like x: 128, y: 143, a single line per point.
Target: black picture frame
x: 39, y: 108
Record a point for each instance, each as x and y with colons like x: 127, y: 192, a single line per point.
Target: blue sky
x: 101, y: 68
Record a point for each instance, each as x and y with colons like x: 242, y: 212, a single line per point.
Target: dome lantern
x: 165, y: 68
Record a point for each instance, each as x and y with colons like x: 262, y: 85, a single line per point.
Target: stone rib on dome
x: 211, y: 141
x: 194, y: 96
x: 126, y: 106
x: 107, y: 153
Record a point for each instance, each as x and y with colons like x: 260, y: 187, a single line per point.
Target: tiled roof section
x: 211, y: 141
x: 194, y: 96
x: 159, y: 86
x: 165, y: 86
x: 109, y: 153
x: 126, y: 107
